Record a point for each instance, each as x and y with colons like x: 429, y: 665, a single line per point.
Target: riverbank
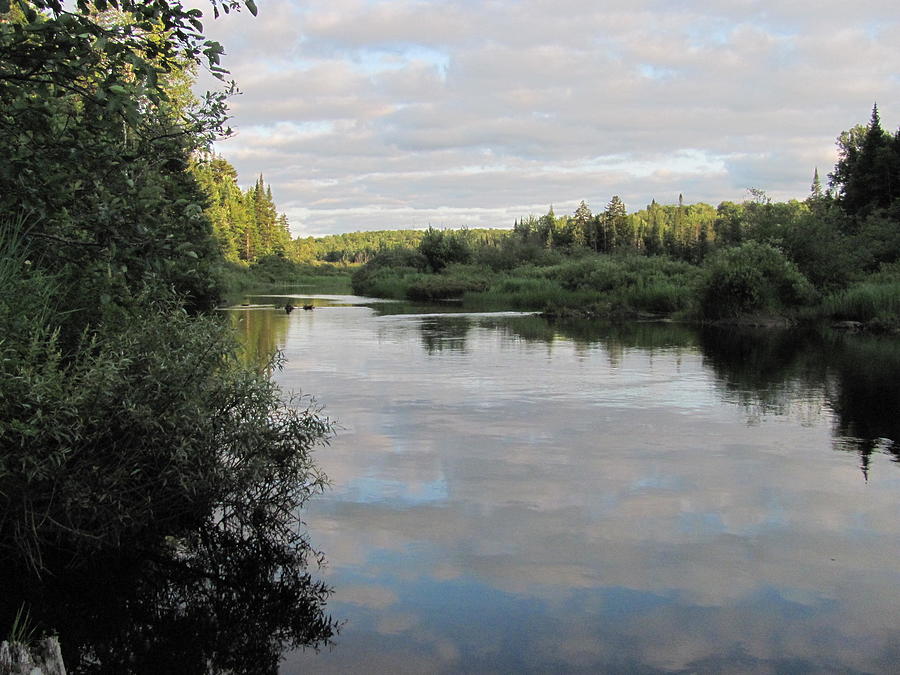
x: 752, y: 284
x: 277, y: 272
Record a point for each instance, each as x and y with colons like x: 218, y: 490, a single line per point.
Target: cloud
x: 353, y: 106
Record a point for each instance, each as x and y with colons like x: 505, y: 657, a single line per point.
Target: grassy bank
x: 751, y: 282
x: 276, y: 272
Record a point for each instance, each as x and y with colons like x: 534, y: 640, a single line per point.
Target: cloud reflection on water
x: 572, y: 504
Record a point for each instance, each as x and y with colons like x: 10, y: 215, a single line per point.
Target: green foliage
x: 128, y: 424
x: 866, y: 301
x: 136, y: 434
x: 659, y: 297
x: 96, y: 134
x: 442, y: 248
x: 532, y: 293
x: 816, y: 244
x: 356, y: 247
x: 443, y: 287
x: 514, y: 251
x: 877, y: 239
x: 389, y: 274
x: 867, y: 175
x: 752, y: 278
x: 246, y: 223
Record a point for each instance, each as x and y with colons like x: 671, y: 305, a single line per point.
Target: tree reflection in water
x: 226, y: 599
x: 772, y: 372
x: 855, y: 376
x: 446, y: 333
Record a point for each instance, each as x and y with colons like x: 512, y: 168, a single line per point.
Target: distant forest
x: 248, y: 227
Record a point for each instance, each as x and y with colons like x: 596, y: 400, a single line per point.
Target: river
x: 510, y: 495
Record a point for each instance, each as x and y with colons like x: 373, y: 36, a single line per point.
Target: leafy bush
x: 659, y: 297
x: 146, y: 428
x: 512, y: 252
x: 817, y: 245
x: 878, y: 239
x: 752, y: 278
x: 390, y: 273
x: 601, y: 273
x: 444, y: 248
x: 443, y: 287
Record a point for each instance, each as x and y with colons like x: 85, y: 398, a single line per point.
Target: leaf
x: 118, y: 89
x: 251, y: 6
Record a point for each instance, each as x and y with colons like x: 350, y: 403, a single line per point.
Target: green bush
x: 442, y: 248
x: 443, y: 287
x: 659, y: 298
x: 512, y: 252
x: 601, y: 273
x: 752, y: 278
x: 821, y: 251
x: 534, y: 293
x: 145, y: 428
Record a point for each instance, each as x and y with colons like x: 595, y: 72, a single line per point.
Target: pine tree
x: 863, y: 174
x: 581, y: 225
x: 615, y: 222
x: 815, y: 190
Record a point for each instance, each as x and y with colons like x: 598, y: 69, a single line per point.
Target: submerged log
x: 44, y: 659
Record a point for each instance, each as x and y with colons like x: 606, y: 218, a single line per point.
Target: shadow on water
x: 856, y: 376
x: 445, y: 334
x: 639, y: 335
x: 769, y: 372
x: 259, y: 335
x: 216, y: 604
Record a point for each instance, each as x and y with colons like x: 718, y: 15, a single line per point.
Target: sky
x: 390, y: 114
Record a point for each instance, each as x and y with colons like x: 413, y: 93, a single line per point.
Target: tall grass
x: 528, y: 293
x: 326, y: 277
x: 866, y: 301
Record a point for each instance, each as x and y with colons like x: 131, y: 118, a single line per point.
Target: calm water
x: 513, y: 496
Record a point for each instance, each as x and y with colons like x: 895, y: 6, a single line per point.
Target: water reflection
x: 512, y: 495
x: 260, y: 332
x: 852, y: 377
x: 223, y: 605
x: 447, y: 334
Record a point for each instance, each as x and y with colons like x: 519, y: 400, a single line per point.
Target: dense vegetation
x: 834, y: 255
x: 129, y: 426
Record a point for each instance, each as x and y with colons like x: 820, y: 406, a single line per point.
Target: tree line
x: 245, y: 223
x: 834, y: 254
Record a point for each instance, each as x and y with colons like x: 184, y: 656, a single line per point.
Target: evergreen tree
x: 815, y: 190
x: 581, y: 226
x: 616, y: 224
x: 545, y: 227
x: 866, y: 173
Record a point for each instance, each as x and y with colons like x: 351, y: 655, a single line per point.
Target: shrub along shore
x: 754, y: 282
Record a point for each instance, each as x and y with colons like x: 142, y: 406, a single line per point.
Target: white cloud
x: 373, y: 113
